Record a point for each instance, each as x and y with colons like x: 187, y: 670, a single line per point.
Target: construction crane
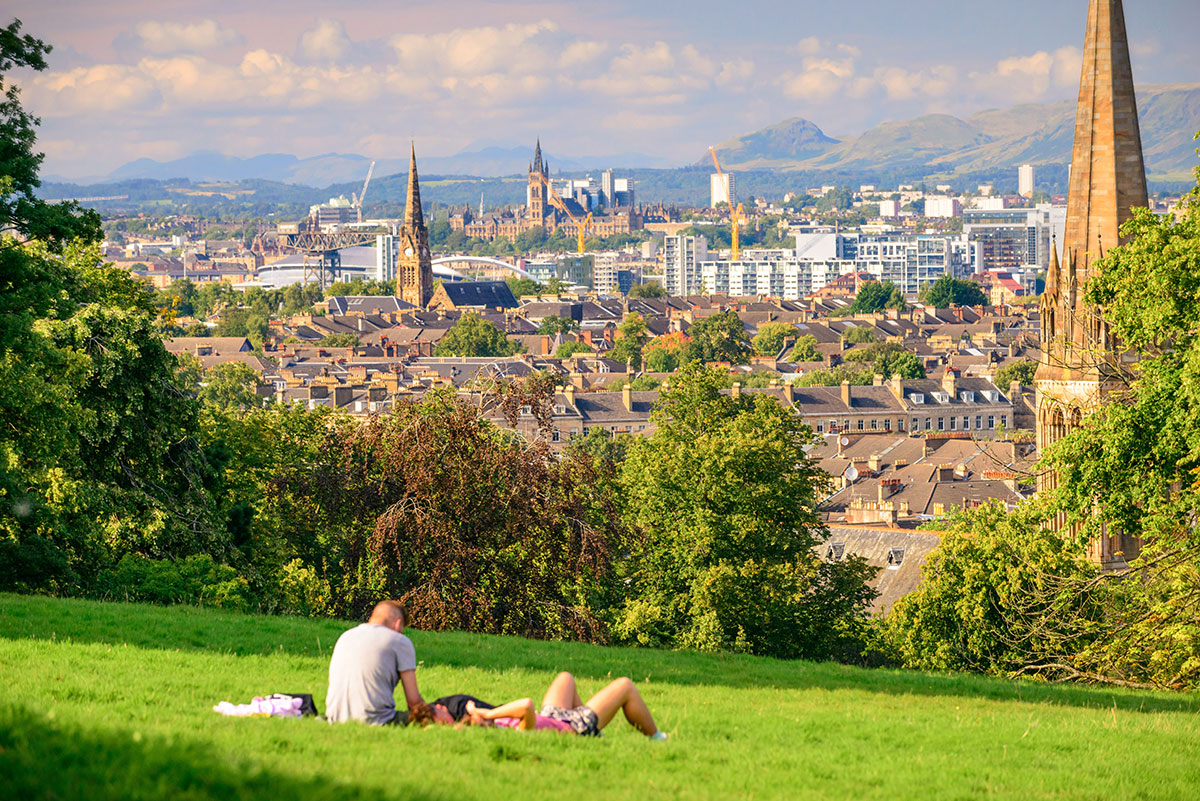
x: 735, y: 214
x: 357, y: 200
x: 581, y: 228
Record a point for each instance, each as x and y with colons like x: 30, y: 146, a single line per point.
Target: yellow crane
x: 581, y: 228
x: 735, y: 214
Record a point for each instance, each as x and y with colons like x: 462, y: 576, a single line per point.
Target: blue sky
x: 664, y: 77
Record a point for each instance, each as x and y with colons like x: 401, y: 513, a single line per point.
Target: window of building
x: 836, y: 551
x: 1004, y: 420
x: 978, y: 421
x: 874, y: 425
x: 554, y: 436
x: 860, y: 424
x: 991, y: 421
x: 953, y: 423
x: 895, y: 558
x: 941, y: 424
x: 928, y: 426
x: 820, y: 428
x: 966, y: 424
x: 916, y: 424
x: 900, y: 424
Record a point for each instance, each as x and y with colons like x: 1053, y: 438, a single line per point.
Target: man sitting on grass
x: 368, y: 661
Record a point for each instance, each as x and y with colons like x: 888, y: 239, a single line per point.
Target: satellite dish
x: 851, y: 473
x: 845, y: 441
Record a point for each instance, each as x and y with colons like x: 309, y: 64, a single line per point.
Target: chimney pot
x: 737, y: 389
x: 627, y: 397
x: 846, y: 393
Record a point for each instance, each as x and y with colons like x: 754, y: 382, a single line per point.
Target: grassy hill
x: 988, y: 141
x: 113, y: 701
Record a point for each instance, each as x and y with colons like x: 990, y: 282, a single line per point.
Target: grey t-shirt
x: 366, y: 665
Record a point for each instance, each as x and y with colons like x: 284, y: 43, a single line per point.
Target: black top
x: 456, y: 705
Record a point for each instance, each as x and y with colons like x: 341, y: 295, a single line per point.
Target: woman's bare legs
x: 622, y: 694
x: 562, y: 692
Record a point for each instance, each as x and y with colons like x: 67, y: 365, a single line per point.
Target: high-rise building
x: 606, y: 189
x: 1079, y: 364
x: 414, y: 265
x: 721, y: 189
x: 943, y: 207
x: 1025, y: 180
x: 681, y: 263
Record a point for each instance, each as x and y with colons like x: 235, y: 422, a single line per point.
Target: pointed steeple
x: 1052, y: 273
x: 537, y: 158
x: 1108, y: 174
x: 414, y: 218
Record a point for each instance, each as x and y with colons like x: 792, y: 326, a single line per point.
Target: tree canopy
x: 474, y: 336
x: 948, y: 291
x: 874, y: 296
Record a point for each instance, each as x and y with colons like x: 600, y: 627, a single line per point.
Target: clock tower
x: 414, y: 266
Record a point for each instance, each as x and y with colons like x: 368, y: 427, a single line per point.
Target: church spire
x: 1108, y: 174
x: 538, y: 166
x: 414, y: 218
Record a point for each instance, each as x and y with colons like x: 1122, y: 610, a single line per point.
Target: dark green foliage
x: 805, y: 350
x: 192, y: 580
x: 346, y: 340
x: 729, y: 562
x: 651, y: 289
x: 569, y: 348
x: 360, y: 287
x: 474, y: 336
x: 1022, y: 371
x: 888, y: 359
x: 631, y: 338
x: 948, y: 291
x: 557, y: 325
x: 719, y: 337
x: 524, y: 286
x: 231, y: 385
x: 874, y: 296
x: 771, y: 336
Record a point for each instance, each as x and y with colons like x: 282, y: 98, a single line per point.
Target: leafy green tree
x: 650, y: 289
x: 889, y: 359
x: 805, y: 350
x: 631, y: 338
x: 834, y: 377
x: 859, y: 335
x: 569, y: 348
x: 660, y: 360
x: 556, y: 286
x: 20, y: 207
x: 474, y: 336
x: 524, y: 286
x: 358, y: 287
x: 1022, y: 370
x: 554, y: 324
x: 948, y: 291
x: 231, y: 385
x: 874, y: 296
x: 345, y: 340
x: 719, y: 337
x: 770, y: 338
x: 729, y: 564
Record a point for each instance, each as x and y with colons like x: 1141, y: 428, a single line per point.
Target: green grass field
x: 113, y: 701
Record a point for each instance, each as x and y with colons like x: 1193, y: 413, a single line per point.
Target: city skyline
x: 595, y: 78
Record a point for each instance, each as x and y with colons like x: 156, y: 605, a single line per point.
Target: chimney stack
x: 569, y: 391
x: 737, y: 389
x: 897, y: 385
x: 789, y: 392
x: 846, y: 393
x: 950, y: 382
x: 877, y: 381
x: 627, y: 396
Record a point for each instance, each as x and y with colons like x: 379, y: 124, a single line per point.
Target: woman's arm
x: 522, y: 709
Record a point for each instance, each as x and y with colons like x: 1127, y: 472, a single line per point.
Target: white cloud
x: 164, y: 38
x: 1032, y: 77
x: 326, y: 41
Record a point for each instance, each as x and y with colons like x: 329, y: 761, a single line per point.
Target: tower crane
x: 581, y: 227
x: 357, y: 200
x: 735, y: 214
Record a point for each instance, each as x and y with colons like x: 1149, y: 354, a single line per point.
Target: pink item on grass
x: 282, y: 706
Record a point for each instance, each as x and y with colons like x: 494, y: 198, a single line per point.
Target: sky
x: 663, y: 77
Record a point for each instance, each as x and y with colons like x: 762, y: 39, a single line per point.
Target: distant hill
x: 333, y: 168
x: 989, y: 140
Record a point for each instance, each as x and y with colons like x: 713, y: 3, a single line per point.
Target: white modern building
x: 722, y: 189
x: 943, y: 207
x: 682, y: 256
x: 889, y: 208
x: 1025, y: 180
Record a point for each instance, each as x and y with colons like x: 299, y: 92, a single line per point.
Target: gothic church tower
x: 537, y: 195
x: 414, y: 267
x: 1079, y: 363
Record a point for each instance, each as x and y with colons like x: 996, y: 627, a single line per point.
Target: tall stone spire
x: 1108, y: 174
x: 1108, y: 180
x: 538, y: 165
x: 413, y: 216
x: 414, y: 266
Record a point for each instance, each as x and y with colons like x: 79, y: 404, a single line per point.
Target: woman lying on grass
x: 562, y: 710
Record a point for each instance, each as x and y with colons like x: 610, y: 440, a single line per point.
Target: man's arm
x: 408, y: 680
